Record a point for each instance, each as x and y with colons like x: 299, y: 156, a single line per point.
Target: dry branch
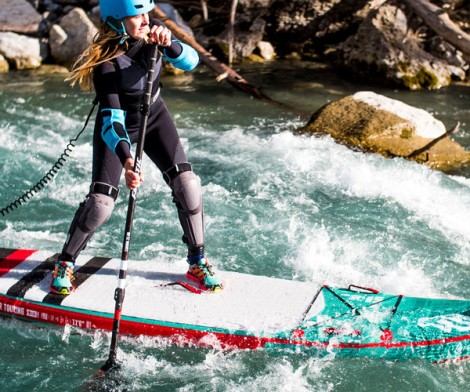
x: 439, y: 21
x: 419, y: 151
x: 221, y: 69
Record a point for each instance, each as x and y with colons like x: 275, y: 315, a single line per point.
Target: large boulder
x: 374, y: 123
x: 384, y: 46
x: 19, y: 16
x: 71, y: 37
x: 4, y: 66
x: 307, y: 28
x: 247, y: 35
x: 20, y: 51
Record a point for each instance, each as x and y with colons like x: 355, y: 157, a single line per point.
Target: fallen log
x: 438, y: 20
x: 223, y: 71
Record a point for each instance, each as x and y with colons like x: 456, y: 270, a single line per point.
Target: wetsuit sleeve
x: 179, y: 54
x: 113, y: 131
x: 186, y: 60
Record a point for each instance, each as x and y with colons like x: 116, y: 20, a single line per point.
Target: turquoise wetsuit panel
x: 187, y: 60
x: 114, y: 128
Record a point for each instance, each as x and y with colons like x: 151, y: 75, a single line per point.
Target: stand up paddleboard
x: 251, y: 312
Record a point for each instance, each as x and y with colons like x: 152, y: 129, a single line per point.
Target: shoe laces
x: 202, y: 270
x: 62, y: 270
x: 208, y: 267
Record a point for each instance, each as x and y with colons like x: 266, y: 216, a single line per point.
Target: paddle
x: 120, y: 290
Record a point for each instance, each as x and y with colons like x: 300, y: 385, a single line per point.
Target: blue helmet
x: 113, y: 11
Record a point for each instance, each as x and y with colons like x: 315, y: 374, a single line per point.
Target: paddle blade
x: 107, y: 378
x: 109, y: 366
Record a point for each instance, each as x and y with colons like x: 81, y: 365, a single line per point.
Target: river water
x: 276, y: 204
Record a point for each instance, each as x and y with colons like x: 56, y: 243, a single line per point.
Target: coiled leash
x: 23, y: 199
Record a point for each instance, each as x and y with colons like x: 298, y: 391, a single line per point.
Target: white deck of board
x: 248, y: 302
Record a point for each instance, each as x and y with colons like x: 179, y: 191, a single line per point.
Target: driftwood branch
x: 222, y: 70
x: 419, y: 151
x: 440, y: 23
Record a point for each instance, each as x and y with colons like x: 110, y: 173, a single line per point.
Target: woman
x: 116, y: 64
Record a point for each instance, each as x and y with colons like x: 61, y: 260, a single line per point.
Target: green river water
x: 276, y: 204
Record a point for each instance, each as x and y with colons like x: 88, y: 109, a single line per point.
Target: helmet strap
x: 125, y: 36
x: 117, y: 25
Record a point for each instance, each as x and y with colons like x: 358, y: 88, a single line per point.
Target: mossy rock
x: 362, y: 126
x: 424, y: 78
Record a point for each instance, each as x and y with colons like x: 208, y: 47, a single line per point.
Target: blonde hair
x: 105, y: 47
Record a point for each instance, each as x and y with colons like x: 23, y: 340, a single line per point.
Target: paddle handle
x: 121, y: 288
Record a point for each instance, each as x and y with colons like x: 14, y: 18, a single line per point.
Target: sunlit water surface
x: 276, y: 204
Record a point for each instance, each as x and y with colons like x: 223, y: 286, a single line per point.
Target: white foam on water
x: 9, y: 137
x: 16, y: 237
x: 223, y: 370
x: 433, y: 198
x: 284, y: 375
x: 41, y: 131
x: 366, y: 175
x: 291, y: 170
x: 342, y: 261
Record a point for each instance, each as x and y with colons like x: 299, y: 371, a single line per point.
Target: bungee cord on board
x: 25, y: 197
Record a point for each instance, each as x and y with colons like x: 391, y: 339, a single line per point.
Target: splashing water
x: 276, y: 204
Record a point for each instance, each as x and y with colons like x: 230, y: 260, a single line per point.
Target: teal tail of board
x: 357, y: 322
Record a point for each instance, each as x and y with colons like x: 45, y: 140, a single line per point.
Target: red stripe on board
x: 408, y: 344
x: 64, y: 316
x: 52, y: 315
x: 16, y: 258
x: 359, y: 346
x: 41, y: 312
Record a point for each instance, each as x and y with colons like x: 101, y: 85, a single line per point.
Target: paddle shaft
x: 121, y: 289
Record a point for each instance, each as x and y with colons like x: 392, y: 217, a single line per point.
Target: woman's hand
x: 133, y: 180
x: 160, y: 35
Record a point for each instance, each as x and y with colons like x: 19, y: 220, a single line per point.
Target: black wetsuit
x: 120, y: 85
x: 162, y: 143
